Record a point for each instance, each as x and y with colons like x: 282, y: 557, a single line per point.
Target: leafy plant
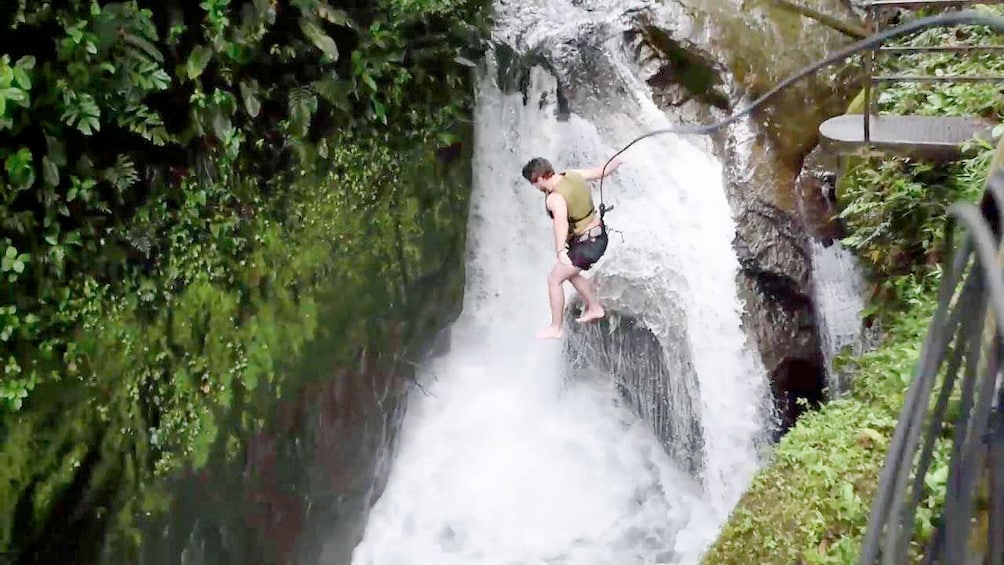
x: 895, y: 207
x: 828, y: 464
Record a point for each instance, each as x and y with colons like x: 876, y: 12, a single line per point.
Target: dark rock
x: 793, y: 380
x: 684, y: 72
x: 816, y: 188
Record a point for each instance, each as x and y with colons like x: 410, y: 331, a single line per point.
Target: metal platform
x: 921, y: 136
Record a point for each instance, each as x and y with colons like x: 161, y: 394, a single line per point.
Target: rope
x: 970, y: 17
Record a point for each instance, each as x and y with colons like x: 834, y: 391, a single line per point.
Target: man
x: 580, y: 238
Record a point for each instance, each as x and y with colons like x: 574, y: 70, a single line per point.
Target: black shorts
x: 586, y: 249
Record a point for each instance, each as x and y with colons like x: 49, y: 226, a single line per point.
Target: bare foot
x: 591, y: 314
x: 550, y: 332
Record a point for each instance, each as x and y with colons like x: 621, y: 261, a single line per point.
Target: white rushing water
x: 838, y: 293
x: 505, y: 459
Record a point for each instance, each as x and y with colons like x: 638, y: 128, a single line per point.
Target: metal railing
x: 873, y: 23
x: 964, y: 335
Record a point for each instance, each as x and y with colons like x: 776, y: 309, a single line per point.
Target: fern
x: 122, y: 174
x: 81, y: 111
x: 302, y: 105
x: 141, y: 120
x: 334, y: 91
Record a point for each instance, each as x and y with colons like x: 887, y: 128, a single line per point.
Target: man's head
x: 537, y: 169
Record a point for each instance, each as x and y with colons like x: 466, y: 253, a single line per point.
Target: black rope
x: 970, y: 17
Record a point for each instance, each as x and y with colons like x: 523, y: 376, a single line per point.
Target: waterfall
x: 838, y: 292
x: 608, y: 447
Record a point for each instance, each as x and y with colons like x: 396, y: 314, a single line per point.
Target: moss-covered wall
x: 272, y: 201
x: 379, y: 281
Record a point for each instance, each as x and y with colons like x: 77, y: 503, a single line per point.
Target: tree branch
x: 831, y: 22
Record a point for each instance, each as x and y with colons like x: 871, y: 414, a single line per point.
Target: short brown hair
x: 536, y: 168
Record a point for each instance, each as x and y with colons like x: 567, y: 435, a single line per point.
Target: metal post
x: 869, y: 24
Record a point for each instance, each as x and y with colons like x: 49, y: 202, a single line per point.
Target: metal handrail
x: 964, y: 339
x: 942, y: 78
x: 904, y: 49
x: 924, y: 3
x: 872, y: 23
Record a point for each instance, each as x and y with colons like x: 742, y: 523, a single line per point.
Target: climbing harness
x: 970, y: 17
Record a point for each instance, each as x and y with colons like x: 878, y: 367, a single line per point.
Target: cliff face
x: 704, y: 59
x: 298, y: 488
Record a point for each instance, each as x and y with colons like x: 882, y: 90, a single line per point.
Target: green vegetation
x: 895, y: 206
x: 826, y: 468
x: 182, y: 186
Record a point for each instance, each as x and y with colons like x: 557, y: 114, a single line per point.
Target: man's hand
x: 563, y: 257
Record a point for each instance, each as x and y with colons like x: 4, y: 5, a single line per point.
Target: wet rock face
x: 705, y: 59
x: 308, y: 461
x: 304, y: 485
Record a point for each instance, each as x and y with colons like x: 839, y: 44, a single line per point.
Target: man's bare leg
x: 594, y: 310
x: 556, y: 296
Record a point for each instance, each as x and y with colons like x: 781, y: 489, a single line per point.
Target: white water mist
x: 502, y: 461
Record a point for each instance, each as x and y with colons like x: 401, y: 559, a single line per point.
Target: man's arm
x: 597, y: 172
x: 556, y: 204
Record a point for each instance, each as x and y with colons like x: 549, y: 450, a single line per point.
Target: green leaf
x: 334, y: 91
x: 266, y: 10
x: 197, y: 61
x: 19, y: 168
x: 22, y: 78
x: 221, y: 124
x: 302, y: 105
x: 88, y: 125
x: 145, y: 46
x: 249, y: 92
x: 320, y: 39
x: 370, y: 82
x: 6, y: 73
x: 56, y: 150
x: 13, y: 94
x: 27, y: 62
x: 334, y: 15
x: 50, y: 172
